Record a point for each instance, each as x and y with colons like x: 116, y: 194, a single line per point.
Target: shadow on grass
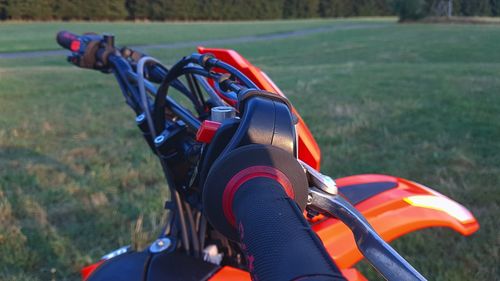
x: 47, y: 216
x: 21, y: 158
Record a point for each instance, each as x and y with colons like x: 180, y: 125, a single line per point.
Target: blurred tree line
x: 228, y: 9
x: 417, y: 9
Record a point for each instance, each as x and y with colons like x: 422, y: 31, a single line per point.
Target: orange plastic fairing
x: 228, y: 273
x: 352, y: 274
x: 86, y: 271
x: 308, y: 148
x: 395, y: 212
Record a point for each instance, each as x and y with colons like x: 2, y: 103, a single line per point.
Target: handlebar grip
x: 65, y: 39
x: 278, y: 241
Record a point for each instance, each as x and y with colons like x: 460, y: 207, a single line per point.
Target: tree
x: 409, y: 9
x: 137, y: 9
x: 3, y: 9
x: 309, y: 9
x: 101, y: 9
x: 268, y: 9
x: 66, y: 9
x: 181, y: 9
x: 336, y: 8
x: 114, y: 10
x: 28, y: 9
x: 237, y: 9
x: 495, y: 7
x: 367, y: 8
x: 475, y: 8
x: 300, y: 8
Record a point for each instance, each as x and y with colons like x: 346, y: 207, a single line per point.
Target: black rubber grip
x: 64, y: 39
x: 277, y: 240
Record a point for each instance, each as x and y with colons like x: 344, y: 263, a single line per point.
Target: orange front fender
x: 407, y: 207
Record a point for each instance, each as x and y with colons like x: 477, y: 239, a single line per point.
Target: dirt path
x: 214, y: 42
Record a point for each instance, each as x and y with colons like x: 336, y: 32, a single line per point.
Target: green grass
x: 22, y: 36
x: 416, y: 101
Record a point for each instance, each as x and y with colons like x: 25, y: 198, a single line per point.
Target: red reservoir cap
x: 207, y: 131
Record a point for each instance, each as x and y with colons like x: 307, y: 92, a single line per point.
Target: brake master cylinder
x: 221, y: 113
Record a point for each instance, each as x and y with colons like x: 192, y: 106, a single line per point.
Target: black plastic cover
x: 126, y: 267
x: 179, y: 266
x: 357, y: 193
x: 139, y: 266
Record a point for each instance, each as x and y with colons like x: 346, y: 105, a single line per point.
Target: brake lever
x: 379, y: 253
x: 317, y: 179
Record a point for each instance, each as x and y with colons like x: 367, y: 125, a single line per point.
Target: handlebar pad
x: 64, y: 39
x: 278, y: 241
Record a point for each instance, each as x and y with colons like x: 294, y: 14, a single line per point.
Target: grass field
x: 19, y: 36
x: 416, y: 101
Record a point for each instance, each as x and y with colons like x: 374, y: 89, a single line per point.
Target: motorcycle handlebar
x: 277, y: 240
x: 89, y: 50
x: 65, y: 39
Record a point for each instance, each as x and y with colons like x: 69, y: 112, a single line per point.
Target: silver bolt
x: 159, y: 139
x: 160, y: 245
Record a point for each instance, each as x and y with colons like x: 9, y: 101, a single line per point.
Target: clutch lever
x: 379, y: 253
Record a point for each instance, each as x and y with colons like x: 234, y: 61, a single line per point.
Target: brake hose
x: 142, y: 91
x: 145, y: 104
x: 161, y: 94
x: 180, y: 69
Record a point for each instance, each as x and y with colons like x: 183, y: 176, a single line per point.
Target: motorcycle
x: 248, y: 200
